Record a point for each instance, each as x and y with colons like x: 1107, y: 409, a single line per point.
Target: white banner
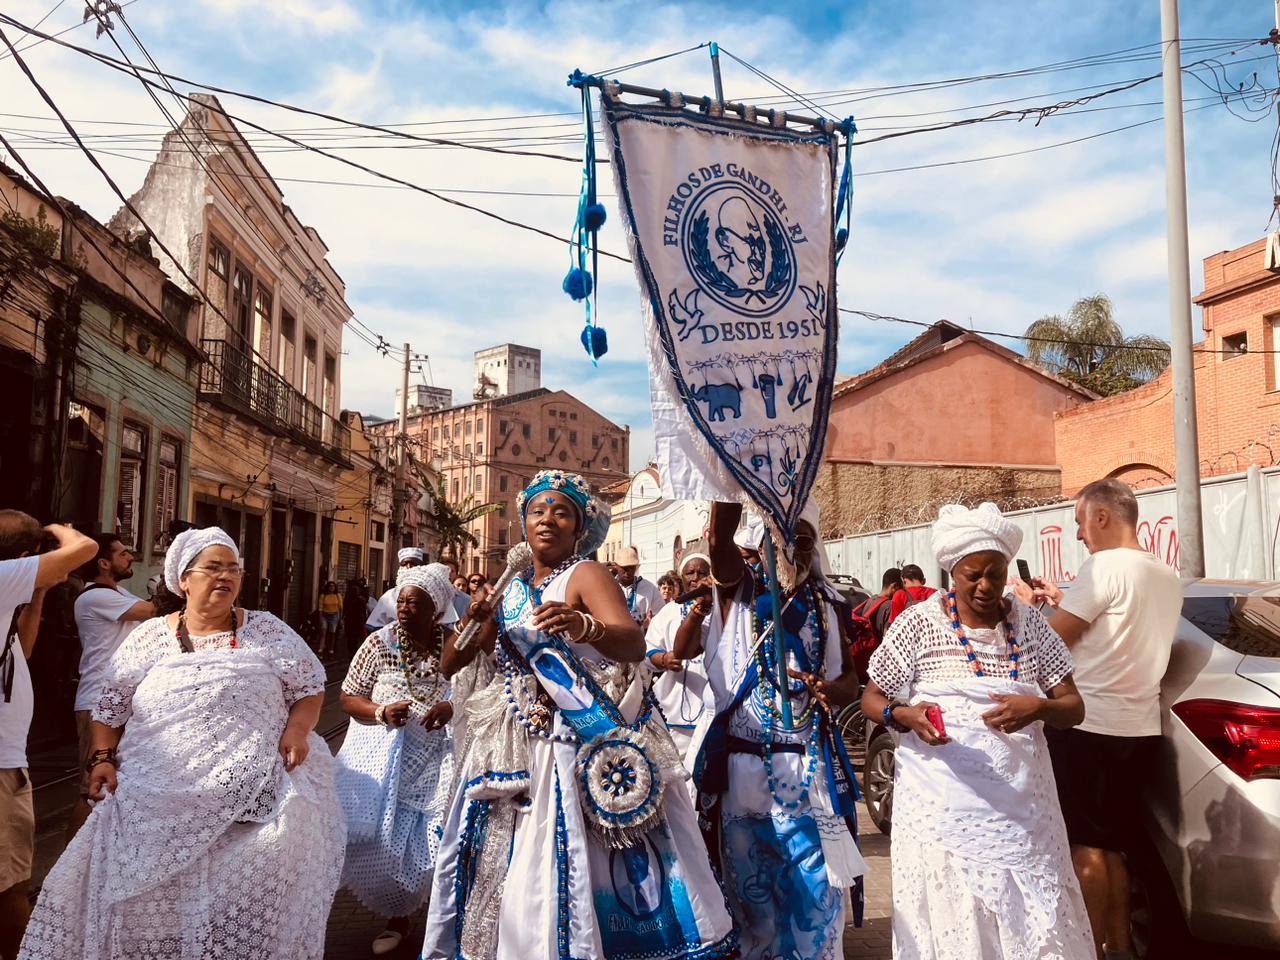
x: 730, y: 228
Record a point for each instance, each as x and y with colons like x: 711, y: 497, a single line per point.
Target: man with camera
x: 32, y: 559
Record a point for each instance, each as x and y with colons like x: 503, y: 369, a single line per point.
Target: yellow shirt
x: 330, y: 603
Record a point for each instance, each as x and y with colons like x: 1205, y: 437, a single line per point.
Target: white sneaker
x: 386, y: 942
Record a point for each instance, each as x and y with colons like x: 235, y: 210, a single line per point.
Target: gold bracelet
x: 597, y: 631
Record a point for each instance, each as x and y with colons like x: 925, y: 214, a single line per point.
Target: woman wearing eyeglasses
x: 217, y: 830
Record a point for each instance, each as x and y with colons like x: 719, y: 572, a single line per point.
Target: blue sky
x: 994, y: 244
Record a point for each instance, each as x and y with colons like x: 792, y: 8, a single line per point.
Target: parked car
x: 1209, y: 865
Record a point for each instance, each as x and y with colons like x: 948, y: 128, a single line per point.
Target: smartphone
x: 934, y: 716
x: 1024, y: 571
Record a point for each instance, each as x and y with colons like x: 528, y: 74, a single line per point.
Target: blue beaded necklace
x: 801, y: 789
x: 1012, y: 647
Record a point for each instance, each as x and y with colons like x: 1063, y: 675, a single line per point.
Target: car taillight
x: 1244, y: 737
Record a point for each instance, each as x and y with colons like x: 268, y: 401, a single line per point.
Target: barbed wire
x: 922, y: 512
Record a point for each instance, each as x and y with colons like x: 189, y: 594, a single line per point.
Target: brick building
x: 490, y: 448
x: 950, y: 414
x: 1130, y: 436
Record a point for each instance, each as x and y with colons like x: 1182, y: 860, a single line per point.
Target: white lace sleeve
x: 893, y: 664
x: 301, y: 672
x: 128, y: 666
x: 1053, y: 660
x: 365, y: 667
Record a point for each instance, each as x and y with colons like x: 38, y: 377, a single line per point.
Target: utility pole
x: 1186, y: 438
x: 402, y: 462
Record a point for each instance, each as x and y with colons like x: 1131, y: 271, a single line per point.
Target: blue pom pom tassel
x: 578, y: 283
x: 594, y: 216
x: 595, y: 341
x: 842, y: 237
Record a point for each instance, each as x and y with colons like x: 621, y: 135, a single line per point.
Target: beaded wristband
x: 106, y: 755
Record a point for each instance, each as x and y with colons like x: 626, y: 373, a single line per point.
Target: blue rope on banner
x: 580, y: 282
x: 844, y: 200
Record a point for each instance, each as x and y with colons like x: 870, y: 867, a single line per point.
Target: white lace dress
x: 981, y: 865
x: 394, y: 784
x: 208, y: 848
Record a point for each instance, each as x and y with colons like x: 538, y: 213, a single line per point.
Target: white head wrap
x: 410, y: 553
x: 187, y: 546
x: 751, y: 536
x: 960, y: 531
x: 433, y: 580
x: 685, y: 560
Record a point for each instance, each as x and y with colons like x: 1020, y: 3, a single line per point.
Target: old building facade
x: 268, y: 448
x: 98, y: 374
x: 952, y: 414
x: 660, y: 529
x: 1130, y: 436
x: 486, y: 451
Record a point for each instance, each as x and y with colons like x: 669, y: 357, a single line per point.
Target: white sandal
x: 386, y: 942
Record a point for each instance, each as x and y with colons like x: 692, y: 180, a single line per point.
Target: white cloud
x: 293, y: 16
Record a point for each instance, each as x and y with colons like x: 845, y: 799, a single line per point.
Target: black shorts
x: 1101, y: 780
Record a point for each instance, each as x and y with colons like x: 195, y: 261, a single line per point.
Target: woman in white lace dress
x: 981, y: 865
x: 395, y: 768
x: 220, y: 835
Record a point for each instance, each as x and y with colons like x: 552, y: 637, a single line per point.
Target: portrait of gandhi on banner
x: 739, y: 235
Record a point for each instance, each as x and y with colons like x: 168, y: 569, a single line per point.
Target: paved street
x: 352, y: 928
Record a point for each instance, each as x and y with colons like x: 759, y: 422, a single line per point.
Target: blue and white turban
x: 593, y: 514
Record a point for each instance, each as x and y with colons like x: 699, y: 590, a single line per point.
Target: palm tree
x: 1090, y: 348
x: 453, y: 521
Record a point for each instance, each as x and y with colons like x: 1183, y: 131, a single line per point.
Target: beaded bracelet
x: 105, y: 755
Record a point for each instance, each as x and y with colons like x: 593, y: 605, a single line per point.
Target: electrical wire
x: 881, y: 317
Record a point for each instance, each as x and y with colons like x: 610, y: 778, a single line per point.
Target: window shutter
x: 130, y: 488
x: 166, y: 504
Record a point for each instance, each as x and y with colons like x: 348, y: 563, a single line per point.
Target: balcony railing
x: 241, y: 380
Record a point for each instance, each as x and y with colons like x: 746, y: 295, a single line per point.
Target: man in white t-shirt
x: 1118, y: 618
x: 24, y: 578
x: 644, y: 599
x: 105, y: 614
x: 384, y: 611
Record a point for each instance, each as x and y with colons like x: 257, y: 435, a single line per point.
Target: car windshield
x: 1243, y: 623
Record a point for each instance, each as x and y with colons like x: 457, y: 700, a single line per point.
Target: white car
x: 1211, y: 869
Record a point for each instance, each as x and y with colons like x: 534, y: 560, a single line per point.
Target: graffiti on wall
x: 1160, y: 539
x: 1051, y: 555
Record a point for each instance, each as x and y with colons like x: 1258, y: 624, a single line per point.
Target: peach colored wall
x: 963, y: 405
x: 1237, y: 400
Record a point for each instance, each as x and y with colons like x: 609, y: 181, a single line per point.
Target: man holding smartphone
x: 1118, y: 619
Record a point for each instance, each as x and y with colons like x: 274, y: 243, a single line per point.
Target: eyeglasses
x: 218, y: 570
x: 476, y: 580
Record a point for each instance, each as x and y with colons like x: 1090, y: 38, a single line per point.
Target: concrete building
x: 267, y: 448
x: 1237, y: 370
x: 507, y: 369
x: 98, y: 379
x: 951, y: 413
x: 486, y: 451
x: 658, y: 528
x: 423, y: 398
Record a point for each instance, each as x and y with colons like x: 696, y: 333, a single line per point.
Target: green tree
x: 1090, y: 348
x: 453, y: 520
